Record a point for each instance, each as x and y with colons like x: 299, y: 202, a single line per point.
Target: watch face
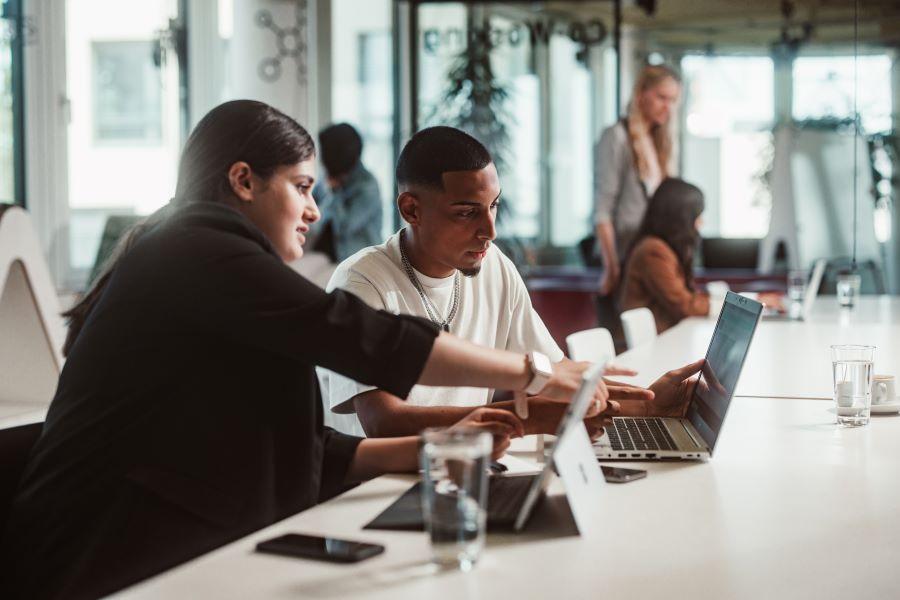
x: 542, y: 363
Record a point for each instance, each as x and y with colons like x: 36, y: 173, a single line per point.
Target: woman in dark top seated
x: 188, y: 412
x: 659, y: 268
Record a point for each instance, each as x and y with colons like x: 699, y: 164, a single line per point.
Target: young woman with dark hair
x: 188, y: 412
x: 659, y: 268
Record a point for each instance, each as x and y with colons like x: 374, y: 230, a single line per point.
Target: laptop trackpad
x: 683, y: 440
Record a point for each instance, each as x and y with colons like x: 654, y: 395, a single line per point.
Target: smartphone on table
x: 319, y: 548
x: 620, y: 475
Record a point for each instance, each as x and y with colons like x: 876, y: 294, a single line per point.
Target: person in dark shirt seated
x: 188, y: 412
x: 348, y: 198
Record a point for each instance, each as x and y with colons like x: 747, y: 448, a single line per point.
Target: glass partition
x: 770, y: 99
x: 522, y: 79
x: 362, y: 87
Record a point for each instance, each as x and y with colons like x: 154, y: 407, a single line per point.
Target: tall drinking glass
x: 847, y: 287
x: 796, y: 289
x: 852, y: 370
x: 454, y: 498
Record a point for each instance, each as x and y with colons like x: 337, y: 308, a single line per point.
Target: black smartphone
x: 620, y: 475
x: 319, y: 548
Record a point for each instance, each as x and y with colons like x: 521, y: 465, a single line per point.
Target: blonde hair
x: 662, y: 136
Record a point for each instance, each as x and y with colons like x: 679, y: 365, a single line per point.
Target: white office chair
x: 592, y: 345
x: 639, y: 326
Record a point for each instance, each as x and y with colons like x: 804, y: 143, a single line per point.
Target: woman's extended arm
x: 457, y: 362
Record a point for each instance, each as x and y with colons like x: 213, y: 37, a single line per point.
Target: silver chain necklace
x: 430, y: 308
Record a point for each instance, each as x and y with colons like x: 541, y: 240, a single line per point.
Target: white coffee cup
x: 884, y: 389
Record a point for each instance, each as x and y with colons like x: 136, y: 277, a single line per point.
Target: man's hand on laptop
x: 672, y: 391
x: 544, y: 414
x: 566, y: 380
x: 626, y: 391
x: 501, y: 424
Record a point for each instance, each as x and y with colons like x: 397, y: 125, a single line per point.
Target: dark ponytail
x: 670, y: 216
x: 240, y: 130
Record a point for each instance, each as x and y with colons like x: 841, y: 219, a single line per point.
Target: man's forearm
x: 411, y: 420
x: 377, y: 457
x: 403, y: 419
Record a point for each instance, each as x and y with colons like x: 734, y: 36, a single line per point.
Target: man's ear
x: 240, y: 176
x: 408, y: 205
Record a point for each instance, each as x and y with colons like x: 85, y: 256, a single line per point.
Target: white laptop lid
x: 575, y: 462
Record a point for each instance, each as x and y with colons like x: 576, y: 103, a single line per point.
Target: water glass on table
x: 852, y: 368
x: 454, y: 498
x: 847, y: 287
x: 796, y: 290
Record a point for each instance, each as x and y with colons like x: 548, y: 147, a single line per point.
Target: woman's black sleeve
x: 250, y: 296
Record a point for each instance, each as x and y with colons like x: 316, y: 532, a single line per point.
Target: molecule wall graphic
x: 290, y: 42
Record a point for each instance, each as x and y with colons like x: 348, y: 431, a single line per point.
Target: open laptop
x: 695, y: 435
x: 512, y: 499
x: 812, y: 290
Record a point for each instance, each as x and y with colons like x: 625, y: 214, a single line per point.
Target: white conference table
x: 787, y: 359
x: 790, y: 506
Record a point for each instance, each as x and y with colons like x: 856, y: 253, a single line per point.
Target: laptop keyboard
x: 631, y: 433
x: 505, y: 497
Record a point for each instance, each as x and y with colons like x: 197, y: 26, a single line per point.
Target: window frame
x: 12, y: 11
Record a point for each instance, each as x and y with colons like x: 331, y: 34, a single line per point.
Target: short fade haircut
x: 434, y: 151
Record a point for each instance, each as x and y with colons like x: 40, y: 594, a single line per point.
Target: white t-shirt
x: 494, y: 311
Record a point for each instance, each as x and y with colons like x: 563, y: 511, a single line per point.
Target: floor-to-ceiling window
x: 125, y: 128
x: 727, y: 141
x: 825, y: 88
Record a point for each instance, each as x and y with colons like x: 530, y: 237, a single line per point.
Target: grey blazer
x: 619, y: 194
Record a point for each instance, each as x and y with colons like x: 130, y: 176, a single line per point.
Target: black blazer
x: 188, y: 412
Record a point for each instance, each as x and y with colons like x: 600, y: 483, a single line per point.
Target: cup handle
x: 882, y: 390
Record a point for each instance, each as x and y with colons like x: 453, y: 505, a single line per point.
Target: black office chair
x: 15, y: 449
x: 115, y: 227
x: 729, y: 253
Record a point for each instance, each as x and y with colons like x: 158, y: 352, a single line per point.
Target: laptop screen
x: 724, y: 361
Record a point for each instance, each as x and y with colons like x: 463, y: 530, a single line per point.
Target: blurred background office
x: 786, y: 120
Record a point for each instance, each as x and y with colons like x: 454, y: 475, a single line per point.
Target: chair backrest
x: 730, y: 253
x: 15, y: 449
x: 116, y: 226
x: 639, y: 326
x: 591, y: 345
x: 32, y: 331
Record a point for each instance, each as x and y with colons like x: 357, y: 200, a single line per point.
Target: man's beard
x: 470, y: 272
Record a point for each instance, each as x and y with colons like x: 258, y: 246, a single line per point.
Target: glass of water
x: 796, y: 290
x: 454, y: 498
x: 848, y: 285
x: 852, y: 370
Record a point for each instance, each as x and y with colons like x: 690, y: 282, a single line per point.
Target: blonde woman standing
x: 633, y: 157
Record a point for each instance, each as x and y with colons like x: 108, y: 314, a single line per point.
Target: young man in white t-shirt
x: 443, y: 267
